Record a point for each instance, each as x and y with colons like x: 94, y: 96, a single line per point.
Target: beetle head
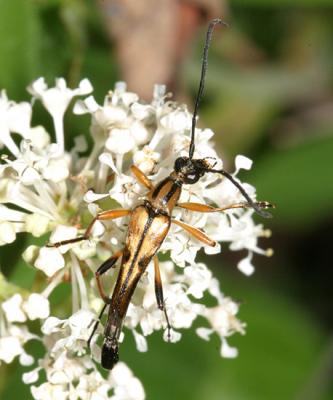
x: 190, y: 170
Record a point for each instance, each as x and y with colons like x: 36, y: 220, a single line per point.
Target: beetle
x: 148, y: 226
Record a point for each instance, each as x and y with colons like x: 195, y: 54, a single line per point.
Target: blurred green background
x: 268, y: 96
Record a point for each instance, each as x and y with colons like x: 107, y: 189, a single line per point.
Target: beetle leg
x: 96, y: 325
x: 159, y: 294
x: 103, y: 216
x: 207, y: 209
x: 109, y: 263
x: 142, y: 178
x: 197, y: 233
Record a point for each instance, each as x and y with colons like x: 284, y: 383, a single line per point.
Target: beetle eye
x: 180, y: 163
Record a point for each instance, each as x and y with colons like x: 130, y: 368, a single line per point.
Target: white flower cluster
x: 45, y: 189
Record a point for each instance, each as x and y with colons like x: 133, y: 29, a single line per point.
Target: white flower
x: 242, y: 162
x: 49, y: 261
x: 46, y: 190
x: 76, y: 377
x: 176, y: 121
x: 48, y: 391
x: 223, y: 321
x: 245, y: 265
x: 182, y: 311
x: 36, y: 224
x: 10, y: 347
x: 125, y: 190
x: 56, y: 100
x: 14, y: 118
x: 146, y: 159
x: 39, y: 137
x: 112, y: 120
x: 140, y: 341
x: 37, y: 306
x: 72, y: 333
x: 127, y: 386
x: 7, y: 232
x: 56, y: 170
x: 198, y: 279
x: 13, y: 309
x: 182, y: 248
x: 92, y: 387
x: 12, y: 341
x: 120, y: 141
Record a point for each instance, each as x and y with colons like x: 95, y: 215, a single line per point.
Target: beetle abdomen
x: 110, y: 354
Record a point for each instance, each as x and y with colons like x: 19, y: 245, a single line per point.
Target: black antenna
x: 257, y: 206
x: 210, y: 29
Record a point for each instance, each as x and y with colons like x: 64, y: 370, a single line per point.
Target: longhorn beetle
x: 148, y: 226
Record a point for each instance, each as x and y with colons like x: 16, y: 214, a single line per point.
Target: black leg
x: 159, y: 294
x: 96, y: 325
x: 109, y: 263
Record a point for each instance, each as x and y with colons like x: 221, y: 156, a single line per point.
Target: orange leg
x: 103, y: 216
x: 207, y: 209
x: 159, y: 293
x: 109, y: 263
x: 141, y: 177
x: 197, y: 233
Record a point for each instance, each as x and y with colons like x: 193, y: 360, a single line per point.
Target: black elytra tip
x: 110, y: 354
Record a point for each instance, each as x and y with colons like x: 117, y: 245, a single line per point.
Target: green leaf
x: 298, y: 181
x: 282, y: 3
x: 7, y: 289
x: 19, y: 45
